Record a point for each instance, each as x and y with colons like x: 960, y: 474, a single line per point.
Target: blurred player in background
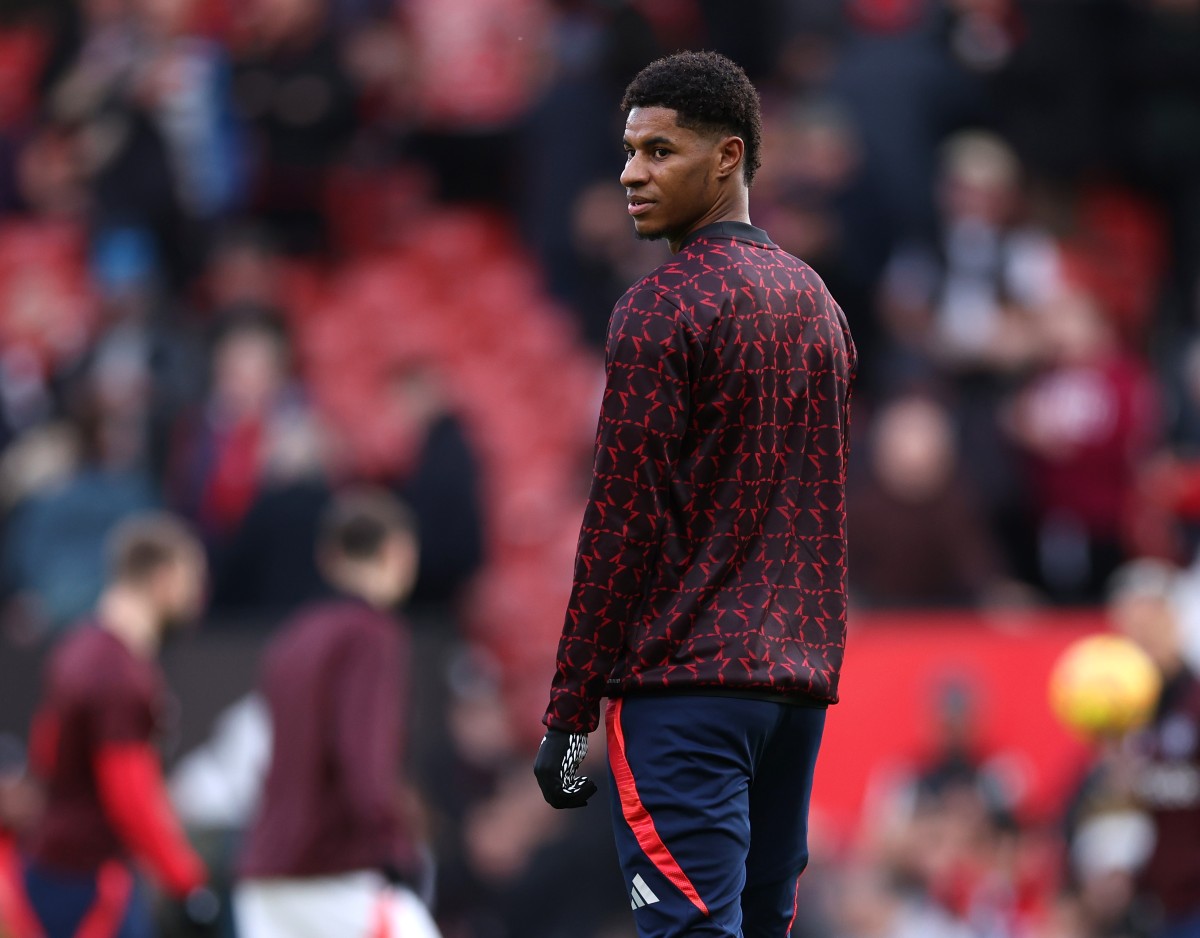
x: 1165, y: 768
x: 92, y: 748
x: 331, y: 848
x: 709, y: 601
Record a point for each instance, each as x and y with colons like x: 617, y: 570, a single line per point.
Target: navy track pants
x: 109, y: 903
x: 710, y: 811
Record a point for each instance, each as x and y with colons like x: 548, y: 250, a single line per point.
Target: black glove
x: 197, y: 913
x: 557, y: 767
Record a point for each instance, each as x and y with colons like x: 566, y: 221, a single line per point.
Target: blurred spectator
x: 291, y: 85
x: 1132, y: 826
x: 818, y: 204
x: 607, y: 257
x: 47, y: 317
x: 954, y: 866
x: 51, y: 177
x: 244, y: 274
x: 1165, y: 770
x: 143, y: 367
x: 441, y: 483
x: 1185, y: 412
x: 1187, y: 607
x: 464, y: 775
x: 960, y: 305
x: 945, y: 831
x: 983, y: 34
x: 183, y: 80
x: 109, y: 103
x: 568, y: 152
x: 509, y: 867
x: 57, y: 526
x: 959, y: 755
x: 918, y: 536
x: 478, y: 65
x: 219, y: 451
x: 905, y: 91
x: 1117, y: 251
x: 963, y: 301
x: 22, y: 50
x: 875, y: 906
x: 1166, y: 512
x: 475, y: 70
x: 1085, y: 423
x: 379, y: 58
x: 268, y: 567
x: 1164, y: 133
x: 1110, y: 845
x: 1054, y: 97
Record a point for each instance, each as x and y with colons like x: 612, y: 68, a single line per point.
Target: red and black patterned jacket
x: 713, y: 548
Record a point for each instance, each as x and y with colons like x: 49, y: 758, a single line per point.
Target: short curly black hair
x: 709, y: 92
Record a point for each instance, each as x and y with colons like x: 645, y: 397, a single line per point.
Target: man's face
x: 1150, y: 622
x: 398, y: 564
x: 181, y: 588
x: 670, y: 175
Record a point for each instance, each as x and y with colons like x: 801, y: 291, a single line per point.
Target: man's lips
x: 638, y: 206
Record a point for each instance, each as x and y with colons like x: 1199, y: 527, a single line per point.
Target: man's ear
x: 731, y: 151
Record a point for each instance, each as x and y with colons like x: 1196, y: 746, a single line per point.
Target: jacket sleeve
x: 643, y: 417
x: 135, y: 801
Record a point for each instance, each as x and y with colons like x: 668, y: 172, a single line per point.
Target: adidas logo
x: 641, y: 894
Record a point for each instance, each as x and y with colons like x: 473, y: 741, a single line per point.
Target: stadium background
x: 250, y: 251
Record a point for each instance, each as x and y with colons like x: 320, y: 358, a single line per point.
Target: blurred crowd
x: 251, y: 251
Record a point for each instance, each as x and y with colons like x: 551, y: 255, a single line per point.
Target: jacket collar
x: 737, y: 230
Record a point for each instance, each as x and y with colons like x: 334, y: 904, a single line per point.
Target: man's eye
x: 628, y: 154
x: 661, y: 153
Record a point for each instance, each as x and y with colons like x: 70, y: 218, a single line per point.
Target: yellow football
x: 1104, y: 685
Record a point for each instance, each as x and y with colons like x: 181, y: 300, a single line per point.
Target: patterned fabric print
x: 713, y: 548
x: 577, y: 748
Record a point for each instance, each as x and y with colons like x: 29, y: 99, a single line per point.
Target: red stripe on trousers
x: 795, y: 905
x: 636, y: 815
x: 114, y: 887
x: 382, y: 926
x: 16, y: 914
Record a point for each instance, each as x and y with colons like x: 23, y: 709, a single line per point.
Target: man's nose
x: 634, y: 173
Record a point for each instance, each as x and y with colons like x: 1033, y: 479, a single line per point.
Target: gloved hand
x: 196, y: 914
x: 557, y: 769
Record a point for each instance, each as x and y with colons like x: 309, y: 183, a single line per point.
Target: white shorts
x: 350, y: 905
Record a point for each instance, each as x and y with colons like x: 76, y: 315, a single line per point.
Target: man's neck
x: 734, y: 206
x: 364, y: 586
x: 130, y: 616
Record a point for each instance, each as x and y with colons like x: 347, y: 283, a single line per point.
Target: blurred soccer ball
x: 1104, y: 685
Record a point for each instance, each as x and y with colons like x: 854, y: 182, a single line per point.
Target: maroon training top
x: 333, y: 681
x: 713, y: 548
x: 96, y: 693
x: 1168, y: 786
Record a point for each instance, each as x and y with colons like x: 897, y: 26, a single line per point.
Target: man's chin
x: 646, y: 233
x: 178, y: 624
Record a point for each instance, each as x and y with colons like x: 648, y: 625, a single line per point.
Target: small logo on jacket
x: 641, y: 894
